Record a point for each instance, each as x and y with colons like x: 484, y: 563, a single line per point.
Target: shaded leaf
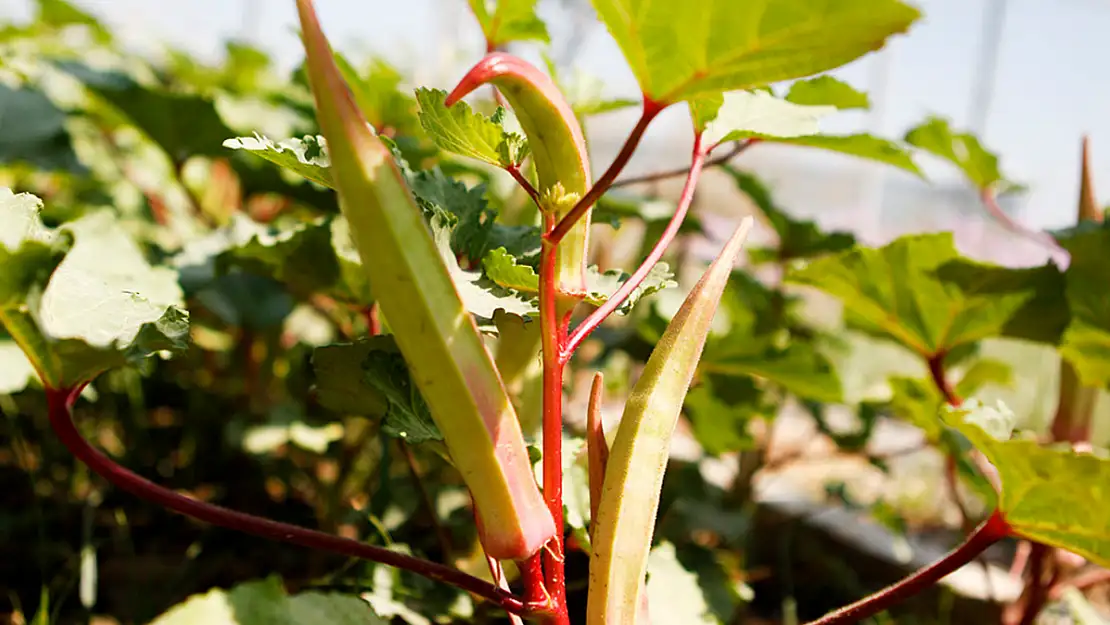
x: 380, y: 97
x: 1086, y: 341
x: 826, y: 90
x: 509, y: 20
x: 720, y: 421
x: 677, y: 53
x: 407, y: 417
x: 461, y: 130
x: 183, y: 125
x: 1052, y: 495
x: 917, y: 291
x: 33, y: 131
x: 340, y: 381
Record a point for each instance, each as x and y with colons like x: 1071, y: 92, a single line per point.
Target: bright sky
x: 1051, y: 85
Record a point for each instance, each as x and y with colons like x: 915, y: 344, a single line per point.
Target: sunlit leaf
x: 266, y: 603
x: 306, y: 156
x: 679, y: 50
x: 100, y: 306
x: 460, y: 130
x: 743, y: 114
x: 919, y: 292
x: 509, y: 20
x: 962, y: 149
x: 1052, y: 495
x: 674, y: 595
x: 826, y: 90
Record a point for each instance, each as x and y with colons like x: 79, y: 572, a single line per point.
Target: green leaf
x: 462, y: 131
x: 797, y: 239
x: 678, y: 51
x: 799, y: 369
x: 1051, y: 495
x: 34, y: 132
x: 509, y: 20
x: 481, y: 296
x: 100, y: 306
x: 503, y: 269
x: 720, y: 419
x: 963, y: 150
x: 265, y: 603
x: 638, y: 458
x: 860, y: 145
x: 379, y: 96
x: 1086, y: 341
x: 306, y: 156
x: 60, y: 13
x: 918, y: 292
x: 340, y: 381
x: 675, y: 596
x: 601, y: 286
x: 183, y: 125
x: 826, y: 90
x: 743, y: 114
x: 385, y: 371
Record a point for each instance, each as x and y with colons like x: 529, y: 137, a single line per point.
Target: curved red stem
x: 936, y: 370
x: 591, y: 322
x: 991, y: 531
x: 60, y: 404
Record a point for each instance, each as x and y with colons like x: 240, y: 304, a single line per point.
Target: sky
x: 1050, y: 88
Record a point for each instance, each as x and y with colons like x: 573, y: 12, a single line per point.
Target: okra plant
x: 474, y: 317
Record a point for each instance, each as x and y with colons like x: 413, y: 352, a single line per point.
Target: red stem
x: 373, y: 320
x: 554, y: 337
x: 60, y: 404
x: 737, y: 148
x: 936, y: 369
x: 1036, y: 590
x: 991, y: 531
x: 591, y: 322
x: 514, y: 171
x: 650, y: 111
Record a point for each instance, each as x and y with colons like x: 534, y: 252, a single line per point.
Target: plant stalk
x: 650, y: 110
x: 591, y: 322
x: 991, y: 531
x: 60, y: 404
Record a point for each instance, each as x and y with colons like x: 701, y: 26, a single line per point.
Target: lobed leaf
x: 460, y: 130
x: 306, y: 156
x: 445, y: 354
x: 682, y: 50
x: 1051, y: 495
x: 78, y: 310
x: 641, y: 448
x: 510, y: 20
x: 918, y: 292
